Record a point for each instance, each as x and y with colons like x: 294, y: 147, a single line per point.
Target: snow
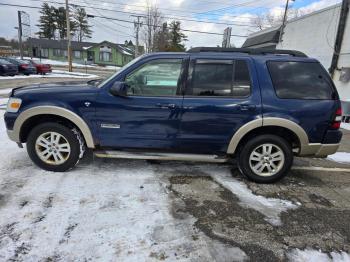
x: 271, y: 208
x: 99, y: 211
x: 5, y: 91
x: 341, y: 157
x: 54, y: 74
x: 312, y: 255
x: 65, y: 63
x: 345, y: 126
x: 3, y: 103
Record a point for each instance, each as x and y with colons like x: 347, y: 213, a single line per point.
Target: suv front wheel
x: 54, y: 147
x: 265, y: 158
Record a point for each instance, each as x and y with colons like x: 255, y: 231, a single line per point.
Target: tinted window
x: 156, y: 78
x: 300, y: 80
x: 217, y: 78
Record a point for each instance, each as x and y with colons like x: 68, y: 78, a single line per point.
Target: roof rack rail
x: 250, y: 51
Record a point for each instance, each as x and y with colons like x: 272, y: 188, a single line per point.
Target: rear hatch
x: 305, y: 93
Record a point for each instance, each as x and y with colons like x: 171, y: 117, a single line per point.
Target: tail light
x: 337, y: 119
x: 24, y: 65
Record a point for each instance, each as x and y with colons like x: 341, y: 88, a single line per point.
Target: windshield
x: 119, y: 71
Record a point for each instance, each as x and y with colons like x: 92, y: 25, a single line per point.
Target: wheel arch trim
x: 53, y: 110
x: 269, y: 121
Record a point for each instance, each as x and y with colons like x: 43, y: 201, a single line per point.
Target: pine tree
x: 61, y: 24
x: 83, y: 29
x: 47, y: 23
x: 176, y: 38
x: 161, y: 41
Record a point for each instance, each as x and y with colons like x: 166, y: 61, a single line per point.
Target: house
x: 104, y: 53
x: 315, y: 35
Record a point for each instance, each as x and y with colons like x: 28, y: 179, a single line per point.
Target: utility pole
x: 70, y: 69
x: 344, y: 13
x: 137, y: 26
x: 20, y: 34
x: 284, y: 21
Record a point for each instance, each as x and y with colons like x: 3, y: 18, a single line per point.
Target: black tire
x: 68, y: 134
x: 255, y: 142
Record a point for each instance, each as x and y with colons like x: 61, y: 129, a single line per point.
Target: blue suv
x: 259, y: 107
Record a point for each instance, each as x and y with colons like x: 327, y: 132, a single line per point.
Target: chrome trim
x: 110, y: 126
x: 161, y: 156
x: 51, y: 110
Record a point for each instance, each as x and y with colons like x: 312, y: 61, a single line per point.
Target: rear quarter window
x: 300, y: 80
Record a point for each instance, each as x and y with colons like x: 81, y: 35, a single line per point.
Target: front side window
x: 220, y: 78
x: 156, y: 78
x: 300, y: 80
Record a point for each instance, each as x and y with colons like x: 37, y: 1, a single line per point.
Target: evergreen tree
x: 47, y: 23
x: 60, y: 19
x: 83, y: 29
x: 161, y: 41
x: 176, y: 37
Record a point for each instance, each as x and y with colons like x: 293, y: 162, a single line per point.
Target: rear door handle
x: 166, y: 106
x: 247, y: 107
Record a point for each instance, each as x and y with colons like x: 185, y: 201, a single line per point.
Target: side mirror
x: 119, y: 89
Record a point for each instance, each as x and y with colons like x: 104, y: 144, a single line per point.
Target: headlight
x: 13, y: 105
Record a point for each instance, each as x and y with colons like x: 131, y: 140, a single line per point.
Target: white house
x: 314, y: 34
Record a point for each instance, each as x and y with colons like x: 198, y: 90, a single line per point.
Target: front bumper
x: 13, y: 136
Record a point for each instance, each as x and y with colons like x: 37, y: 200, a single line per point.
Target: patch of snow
x: 5, y: 91
x: 341, y: 157
x: 312, y: 255
x: 3, y: 103
x: 271, y: 208
x: 345, y: 126
x: 74, y: 64
x: 54, y: 74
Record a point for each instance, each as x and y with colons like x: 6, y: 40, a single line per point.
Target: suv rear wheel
x: 54, y: 147
x: 265, y: 158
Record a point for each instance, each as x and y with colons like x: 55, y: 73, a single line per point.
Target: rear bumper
x: 318, y: 150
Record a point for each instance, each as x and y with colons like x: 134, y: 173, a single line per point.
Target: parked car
x: 7, y: 69
x: 40, y: 68
x: 259, y: 107
x: 24, y: 67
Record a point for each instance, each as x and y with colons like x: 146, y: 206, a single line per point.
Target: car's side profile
x: 7, y: 69
x: 258, y: 107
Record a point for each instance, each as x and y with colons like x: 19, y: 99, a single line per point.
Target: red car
x: 40, y: 68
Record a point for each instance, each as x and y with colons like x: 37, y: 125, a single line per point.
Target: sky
x: 240, y: 13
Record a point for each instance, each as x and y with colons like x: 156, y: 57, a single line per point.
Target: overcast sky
x: 240, y: 12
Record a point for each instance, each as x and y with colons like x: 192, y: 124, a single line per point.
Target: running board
x: 161, y: 156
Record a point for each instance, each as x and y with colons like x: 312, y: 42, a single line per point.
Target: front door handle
x: 247, y: 107
x: 166, y: 106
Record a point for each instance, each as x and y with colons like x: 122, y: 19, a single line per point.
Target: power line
x: 185, y: 30
x: 169, y: 17
x: 126, y: 21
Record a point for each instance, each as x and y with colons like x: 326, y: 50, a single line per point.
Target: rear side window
x: 300, y: 80
x: 220, y: 78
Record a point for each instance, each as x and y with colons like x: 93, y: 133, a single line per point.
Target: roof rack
x: 250, y: 51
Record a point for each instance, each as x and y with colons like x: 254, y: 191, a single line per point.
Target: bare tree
x: 266, y: 20
x: 153, y: 24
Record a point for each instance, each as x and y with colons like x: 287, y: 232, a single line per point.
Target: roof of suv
x: 250, y: 51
